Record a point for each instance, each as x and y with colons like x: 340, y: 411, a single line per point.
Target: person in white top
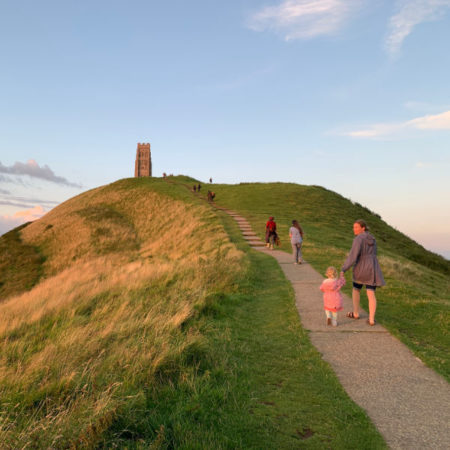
x: 296, y: 235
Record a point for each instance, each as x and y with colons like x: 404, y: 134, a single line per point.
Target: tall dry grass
x: 108, y: 316
x: 132, y: 222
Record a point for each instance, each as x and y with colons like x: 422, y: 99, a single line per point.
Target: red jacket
x: 271, y: 226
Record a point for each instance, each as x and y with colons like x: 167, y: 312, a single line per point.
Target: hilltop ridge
x: 34, y: 250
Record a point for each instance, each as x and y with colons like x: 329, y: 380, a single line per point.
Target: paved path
x: 408, y: 402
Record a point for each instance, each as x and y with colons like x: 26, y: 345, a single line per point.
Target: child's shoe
x: 334, y: 323
x: 328, y: 321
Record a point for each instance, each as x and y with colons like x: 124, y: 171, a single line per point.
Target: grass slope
x: 149, y: 327
x: 20, y: 264
x: 415, y: 303
x: 115, y: 290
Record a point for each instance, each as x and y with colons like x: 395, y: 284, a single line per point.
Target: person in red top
x: 271, y: 232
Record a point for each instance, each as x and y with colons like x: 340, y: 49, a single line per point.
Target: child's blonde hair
x: 332, y: 271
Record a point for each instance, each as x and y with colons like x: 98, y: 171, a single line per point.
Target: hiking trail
x: 408, y: 402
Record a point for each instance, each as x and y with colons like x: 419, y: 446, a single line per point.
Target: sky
x: 352, y: 95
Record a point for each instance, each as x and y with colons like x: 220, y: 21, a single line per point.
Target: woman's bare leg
x: 372, y: 305
x: 356, y: 298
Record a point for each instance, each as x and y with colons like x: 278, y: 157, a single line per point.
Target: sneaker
x: 329, y: 321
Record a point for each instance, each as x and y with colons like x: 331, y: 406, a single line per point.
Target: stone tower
x: 143, y: 164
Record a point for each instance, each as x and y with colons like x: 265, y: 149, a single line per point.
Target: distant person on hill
x: 199, y: 187
x: 296, y: 235
x: 366, y: 269
x: 211, y: 196
x: 195, y: 188
x: 271, y: 232
x: 210, y: 180
x: 332, y: 297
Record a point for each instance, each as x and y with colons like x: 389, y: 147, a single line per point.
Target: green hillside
x: 135, y: 316
x: 415, y: 303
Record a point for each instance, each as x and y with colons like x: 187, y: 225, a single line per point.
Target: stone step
x: 257, y: 243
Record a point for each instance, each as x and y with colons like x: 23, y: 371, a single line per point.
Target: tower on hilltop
x: 143, y: 164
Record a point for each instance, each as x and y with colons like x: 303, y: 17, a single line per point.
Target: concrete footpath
x: 408, y: 402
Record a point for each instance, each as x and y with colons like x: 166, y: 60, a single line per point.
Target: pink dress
x: 332, y: 297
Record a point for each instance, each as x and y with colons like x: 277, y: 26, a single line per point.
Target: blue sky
x: 352, y: 95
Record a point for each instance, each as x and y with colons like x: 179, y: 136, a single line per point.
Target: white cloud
x: 429, y: 122
x: 8, y: 222
x: 436, y: 122
x: 32, y: 169
x: 411, y: 13
x: 304, y: 19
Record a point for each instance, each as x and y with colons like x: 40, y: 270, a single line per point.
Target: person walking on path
x: 332, y: 297
x: 271, y: 232
x: 296, y: 235
x: 366, y: 269
x: 199, y: 187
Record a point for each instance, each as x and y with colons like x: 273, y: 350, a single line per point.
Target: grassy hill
x: 108, y: 280
x: 134, y: 315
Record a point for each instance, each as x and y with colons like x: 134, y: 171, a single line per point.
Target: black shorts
x: 358, y: 287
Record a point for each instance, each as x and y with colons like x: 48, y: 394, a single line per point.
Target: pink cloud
x: 304, y: 19
x: 8, y: 222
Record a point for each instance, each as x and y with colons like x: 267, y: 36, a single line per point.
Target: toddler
x: 332, y: 297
